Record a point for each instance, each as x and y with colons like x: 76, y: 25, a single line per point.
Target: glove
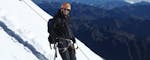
x: 75, y: 46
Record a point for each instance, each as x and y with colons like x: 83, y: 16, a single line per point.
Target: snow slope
x: 23, y: 33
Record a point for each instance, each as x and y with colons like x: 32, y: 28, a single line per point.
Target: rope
x: 83, y: 52
x: 34, y: 10
x: 55, y: 47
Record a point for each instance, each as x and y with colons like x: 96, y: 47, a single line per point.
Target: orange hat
x: 66, y: 5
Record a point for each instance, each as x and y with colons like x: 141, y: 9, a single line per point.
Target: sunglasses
x: 66, y: 9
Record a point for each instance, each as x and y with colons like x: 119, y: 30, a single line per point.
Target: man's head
x: 66, y: 8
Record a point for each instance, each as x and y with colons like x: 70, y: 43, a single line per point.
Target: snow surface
x: 23, y: 33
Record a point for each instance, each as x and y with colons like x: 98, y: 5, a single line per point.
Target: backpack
x: 51, y: 39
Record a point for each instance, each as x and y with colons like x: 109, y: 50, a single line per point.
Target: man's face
x: 65, y: 11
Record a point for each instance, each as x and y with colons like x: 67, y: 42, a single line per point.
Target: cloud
x: 134, y: 1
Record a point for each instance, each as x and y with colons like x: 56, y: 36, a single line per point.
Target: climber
x: 61, y: 33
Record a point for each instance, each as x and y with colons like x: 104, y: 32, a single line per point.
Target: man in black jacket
x: 61, y: 33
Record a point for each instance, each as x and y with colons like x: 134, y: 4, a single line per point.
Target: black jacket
x: 61, y: 27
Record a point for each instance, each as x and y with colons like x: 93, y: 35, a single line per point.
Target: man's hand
x: 75, y: 46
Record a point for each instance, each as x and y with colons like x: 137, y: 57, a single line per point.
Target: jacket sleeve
x: 73, y: 39
x: 48, y: 25
x: 71, y: 33
x: 72, y: 36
